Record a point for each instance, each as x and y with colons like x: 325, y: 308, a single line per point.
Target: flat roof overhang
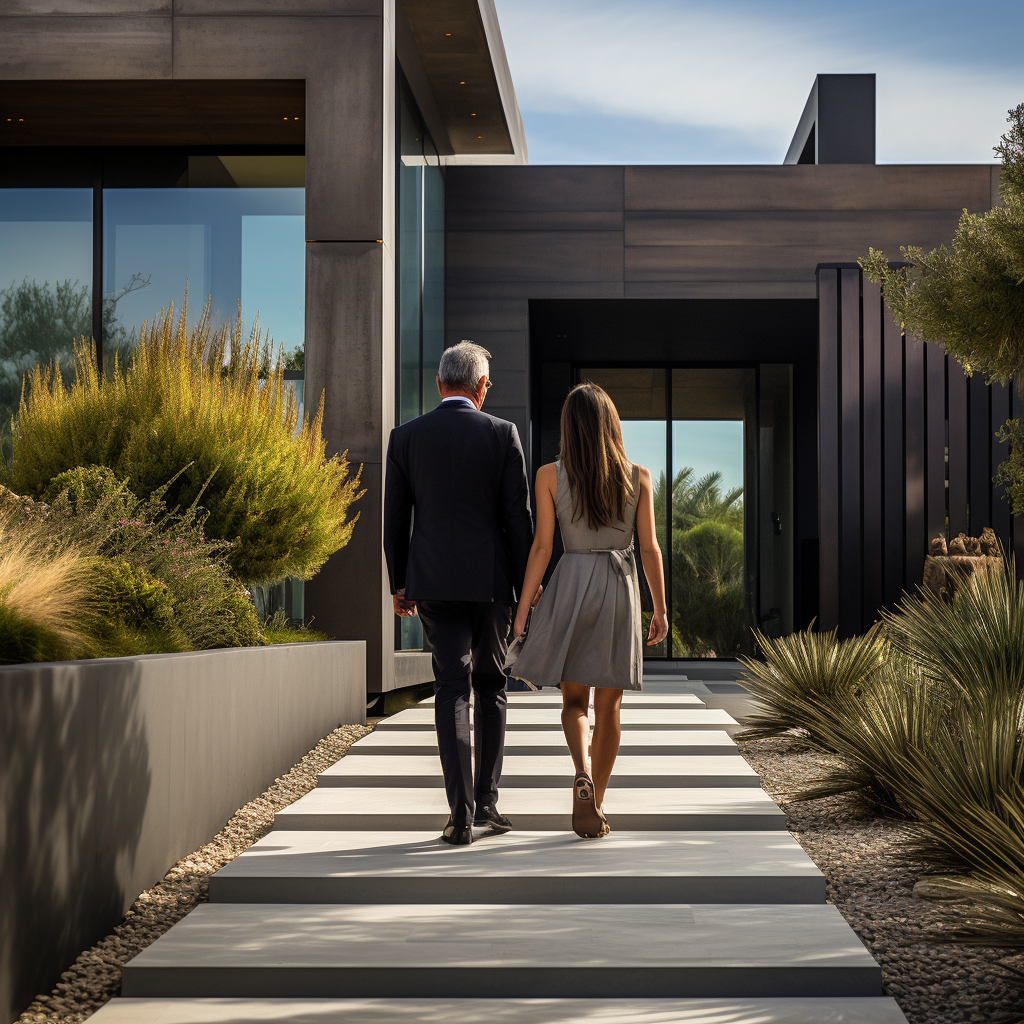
x: 460, y: 55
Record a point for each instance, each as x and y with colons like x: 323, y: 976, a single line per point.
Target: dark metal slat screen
x: 907, y: 451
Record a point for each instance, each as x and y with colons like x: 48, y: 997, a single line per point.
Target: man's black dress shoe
x: 489, y: 818
x: 457, y: 835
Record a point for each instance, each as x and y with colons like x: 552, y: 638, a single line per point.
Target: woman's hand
x: 659, y: 629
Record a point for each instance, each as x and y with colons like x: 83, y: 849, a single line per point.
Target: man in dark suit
x: 457, y: 535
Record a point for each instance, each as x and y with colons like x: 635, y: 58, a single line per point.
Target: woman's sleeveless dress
x: 586, y: 627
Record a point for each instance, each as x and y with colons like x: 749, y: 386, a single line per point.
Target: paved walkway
x: 699, y: 908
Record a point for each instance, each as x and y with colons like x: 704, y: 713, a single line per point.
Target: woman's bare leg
x: 607, y: 732
x: 576, y: 722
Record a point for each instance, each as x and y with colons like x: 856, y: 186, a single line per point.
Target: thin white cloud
x: 747, y: 71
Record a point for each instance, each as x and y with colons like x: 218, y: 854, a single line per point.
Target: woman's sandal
x: 605, y: 827
x: 587, y: 821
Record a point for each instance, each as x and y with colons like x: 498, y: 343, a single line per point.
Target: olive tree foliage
x: 968, y: 296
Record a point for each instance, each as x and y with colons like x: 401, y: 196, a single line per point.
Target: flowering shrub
x: 158, y: 585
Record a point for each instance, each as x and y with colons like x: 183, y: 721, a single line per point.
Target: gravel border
x: 871, y: 884
x: 95, y: 976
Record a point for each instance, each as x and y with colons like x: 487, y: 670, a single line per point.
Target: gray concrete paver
x: 865, y: 1010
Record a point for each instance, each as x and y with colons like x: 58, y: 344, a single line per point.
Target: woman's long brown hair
x: 594, y: 457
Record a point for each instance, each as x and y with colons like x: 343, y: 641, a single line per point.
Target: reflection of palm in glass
x: 707, y: 564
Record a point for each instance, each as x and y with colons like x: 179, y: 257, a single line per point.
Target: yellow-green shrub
x: 200, y: 415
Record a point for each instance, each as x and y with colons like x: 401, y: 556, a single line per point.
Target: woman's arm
x: 543, y: 539
x: 650, y: 552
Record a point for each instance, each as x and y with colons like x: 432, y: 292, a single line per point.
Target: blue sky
x: 695, y: 81
x: 706, y: 446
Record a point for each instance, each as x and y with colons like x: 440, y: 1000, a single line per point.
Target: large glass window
x: 232, y: 227
x: 420, y: 244
x: 420, y: 282
x: 228, y: 244
x: 46, y: 245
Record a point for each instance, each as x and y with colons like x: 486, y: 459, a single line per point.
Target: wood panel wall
x: 907, y: 452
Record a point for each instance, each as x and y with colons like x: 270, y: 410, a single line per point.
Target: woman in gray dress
x: 586, y: 629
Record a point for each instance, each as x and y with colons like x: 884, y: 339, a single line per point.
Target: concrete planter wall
x: 113, y: 769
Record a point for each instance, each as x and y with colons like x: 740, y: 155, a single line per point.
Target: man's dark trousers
x: 467, y: 641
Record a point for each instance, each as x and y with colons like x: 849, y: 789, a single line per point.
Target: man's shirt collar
x: 457, y: 398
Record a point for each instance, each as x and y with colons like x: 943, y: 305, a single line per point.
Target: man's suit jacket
x: 457, y: 478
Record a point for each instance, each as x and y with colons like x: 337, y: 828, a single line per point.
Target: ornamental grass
x: 926, y: 720
x: 205, y: 416
x: 46, y: 597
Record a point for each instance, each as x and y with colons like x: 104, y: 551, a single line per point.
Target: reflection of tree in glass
x: 116, y: 340
x: 707, y: 564
x: 40, y: 323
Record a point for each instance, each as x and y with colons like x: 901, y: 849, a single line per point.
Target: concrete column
x: 350, y: 358
x: 350, y: 334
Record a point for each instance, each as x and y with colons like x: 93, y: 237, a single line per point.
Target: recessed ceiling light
x: 462, y: 83
x: 447, y: 33
x: 472, y: 115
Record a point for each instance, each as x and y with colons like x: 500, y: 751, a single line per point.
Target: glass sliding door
x: 719, y: 444
x: 714, y: 554
x: 775, y: 499
x: 641, y: 398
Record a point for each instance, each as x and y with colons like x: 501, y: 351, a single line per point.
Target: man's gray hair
x: 463, y: 365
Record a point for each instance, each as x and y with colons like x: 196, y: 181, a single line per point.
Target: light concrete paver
x: 549, y: 771
x: 549, y: 718
x: 553, y: 699
x: 502, y: 951
x: 524, y: 867
x: 520, y: 742
x: 535, y: 809
x: 865, y: 1010
x: 700, y: 896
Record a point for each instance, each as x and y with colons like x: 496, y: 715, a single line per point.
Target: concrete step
x: 521, y: 867
x: 549, y: 718
x: 381, y: 809
x: 502, y: 951
x: 630, y: 699
x: 527, y: 742
x: 851, y: 1010
x: 550, y: 770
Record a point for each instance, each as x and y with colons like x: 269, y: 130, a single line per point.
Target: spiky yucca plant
x: 974, y: 642
x: 204, y: 410
x: 967, y: 798
x: 801, y: 675
x: 876, y: 734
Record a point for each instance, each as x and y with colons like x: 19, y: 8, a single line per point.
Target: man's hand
x: 520, y: 621
x: 403, y: 608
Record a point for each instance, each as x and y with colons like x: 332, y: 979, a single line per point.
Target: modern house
x: 357, y: 170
